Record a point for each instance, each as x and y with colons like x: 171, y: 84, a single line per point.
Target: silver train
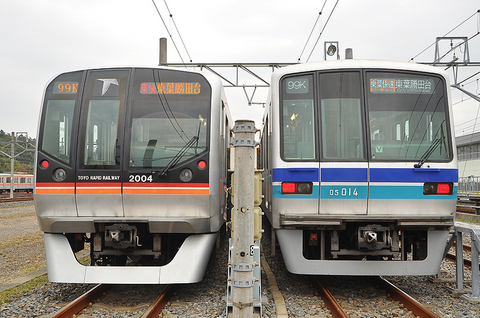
x: 359, y: 165
x: 21, y: 183
x: 131, y: 165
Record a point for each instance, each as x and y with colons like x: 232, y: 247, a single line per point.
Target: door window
x: 341, y: 116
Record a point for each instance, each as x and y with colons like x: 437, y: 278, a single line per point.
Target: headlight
x: 59, y: 174
x: 186, y: 175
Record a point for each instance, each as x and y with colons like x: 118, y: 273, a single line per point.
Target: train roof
x: 359, y: 64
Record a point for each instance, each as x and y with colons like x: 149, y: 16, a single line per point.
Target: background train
x: 21, y: 183
x: 359, y: 165
x: 132, y: 162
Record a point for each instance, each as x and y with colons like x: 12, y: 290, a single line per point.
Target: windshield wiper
x: 429, y: 152
x: 178, y: 156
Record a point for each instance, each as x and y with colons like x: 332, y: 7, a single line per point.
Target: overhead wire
x: 178, y: 31
x: 321, y: 32
x: 445, y: 35
x: 170, y: 34
x: 311, y: 32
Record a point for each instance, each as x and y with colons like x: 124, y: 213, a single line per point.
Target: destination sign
x: 401, y: 86
x: 170, y: 88
x: 65, y: 88
x: 297, y: 85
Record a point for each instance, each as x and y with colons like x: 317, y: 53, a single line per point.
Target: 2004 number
x: 140, y: 178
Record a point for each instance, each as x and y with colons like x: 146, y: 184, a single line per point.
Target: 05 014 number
x: 344, y: 192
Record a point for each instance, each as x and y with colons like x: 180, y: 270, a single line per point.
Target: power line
x: 318, y: 18
x: 321, y: 32
x: 445, y: 35
x: 166, y: 28
x: 178, y: 31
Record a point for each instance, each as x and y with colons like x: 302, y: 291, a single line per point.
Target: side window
x: 57, y: 118
x: 298, y: 120
x: 341, y: 116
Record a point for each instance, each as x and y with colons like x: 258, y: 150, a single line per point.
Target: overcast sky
x: 42, y: 38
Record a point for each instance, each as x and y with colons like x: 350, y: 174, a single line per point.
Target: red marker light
x: 44, y: 164
x: 443, y: 188
x: 202, y: 165
x: 289, y: 187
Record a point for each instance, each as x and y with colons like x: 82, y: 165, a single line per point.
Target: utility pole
x: 12, y: 164
x: 243, y: 225
x: 23, y: 146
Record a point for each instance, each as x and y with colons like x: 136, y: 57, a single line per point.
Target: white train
x: 132, y: 162
x: 360, y: 167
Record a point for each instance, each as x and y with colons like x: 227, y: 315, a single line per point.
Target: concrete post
x: 12, y: 164
x: 243, y: 243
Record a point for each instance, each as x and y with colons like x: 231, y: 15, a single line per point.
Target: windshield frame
x: 173, y: 108
x: 442, y: 106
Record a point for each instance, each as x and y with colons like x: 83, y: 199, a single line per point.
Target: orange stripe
x: 54, y: 191
x: 166, y: 191
x: 99, y: 191
x: 165, y: 185
x: 55, y: 188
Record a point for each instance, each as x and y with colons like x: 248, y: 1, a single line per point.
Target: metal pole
x: 459, y: 260
x: 12, y: 164
x: 243, y: 243
x: 475, y: 273
x: 163, y: 51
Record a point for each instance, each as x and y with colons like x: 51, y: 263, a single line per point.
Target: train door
x: 343, y: 173
x: 98, y: 181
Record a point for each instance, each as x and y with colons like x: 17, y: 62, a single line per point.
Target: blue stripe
x: 406, y: 193
x: 295, y: 174
x: 360, y: 192
x: 343, y: 192
x: 344, y: 174
x: 361, y: 175
x: 413, y: 175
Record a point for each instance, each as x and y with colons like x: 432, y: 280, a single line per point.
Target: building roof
x: 468, y: 139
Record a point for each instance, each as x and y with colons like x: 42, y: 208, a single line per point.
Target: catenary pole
x: 12, y: 164
x: 243, y: 243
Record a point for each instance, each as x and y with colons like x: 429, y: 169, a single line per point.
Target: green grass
x: 468, y: 221
x: 14, y: 293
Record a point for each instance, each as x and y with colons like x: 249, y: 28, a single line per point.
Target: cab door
x: 98, y: 181
x: 343, y: 172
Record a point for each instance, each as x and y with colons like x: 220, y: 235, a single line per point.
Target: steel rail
x: 157, y: 306
x: 16, y: 198
x: 81, y: 302
x: 330, y: 301
x: 466, y: 262
x: 413, y: 305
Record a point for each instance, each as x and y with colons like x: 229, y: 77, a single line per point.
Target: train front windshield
x: 406, y: 121
x: 178, y: 120
x: 154, y: 114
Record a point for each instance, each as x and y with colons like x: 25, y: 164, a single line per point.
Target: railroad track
x: 342, y: 309
x: 4, y: 198
x: 96, y: 294
x: 467, y: 262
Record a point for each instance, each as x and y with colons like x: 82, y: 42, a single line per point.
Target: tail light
x: 432, y: 188
x: 297, y: 187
